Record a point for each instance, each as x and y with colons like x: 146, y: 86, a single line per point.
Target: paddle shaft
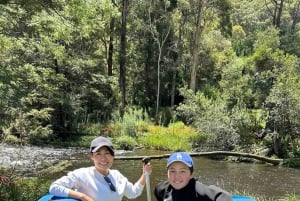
x: 147, y: 176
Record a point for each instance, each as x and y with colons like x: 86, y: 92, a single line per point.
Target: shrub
x: 176, y: 136
x: 18, y: 189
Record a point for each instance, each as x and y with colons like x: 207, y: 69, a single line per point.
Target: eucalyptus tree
x: 202, y: 17
x: 151, y: 33
x: 123, y: 48
x: 160, y: 30
x: 200, y: 5
x: 61, y: 49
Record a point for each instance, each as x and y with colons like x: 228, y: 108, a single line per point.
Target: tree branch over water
x: 206, y: 154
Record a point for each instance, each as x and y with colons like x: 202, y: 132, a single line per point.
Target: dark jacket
x: 194, y: 191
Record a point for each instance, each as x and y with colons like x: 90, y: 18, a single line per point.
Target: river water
x: 260, y: 179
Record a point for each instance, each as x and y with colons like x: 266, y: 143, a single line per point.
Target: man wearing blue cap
x: 181, y: 186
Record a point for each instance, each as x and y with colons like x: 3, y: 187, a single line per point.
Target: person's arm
x: 62, y: 188
x: 131, y: 190
x: 79, y: 195
x: 146, y: 168
x: 220, y: 194
x: 214, y: 193
x: 66, y: 185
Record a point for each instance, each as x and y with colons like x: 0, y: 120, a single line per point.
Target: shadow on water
x: 259, y: 179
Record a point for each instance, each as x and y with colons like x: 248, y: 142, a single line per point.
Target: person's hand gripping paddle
x: 145, y: 161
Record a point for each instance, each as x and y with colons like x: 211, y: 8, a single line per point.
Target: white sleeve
x: 61, y: 187
x: 133, y: 191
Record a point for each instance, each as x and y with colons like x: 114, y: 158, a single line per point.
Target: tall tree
x: 199, y: 12
x: 295, y: 13
x: 123, y: 46
x: 276, y: 11
x: 160, y: 29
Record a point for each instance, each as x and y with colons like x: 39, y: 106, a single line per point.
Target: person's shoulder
x: 162, y: 185
x: 216, y: 188
x: 83, y: 170
x: 204, y: 189
x: 116, y: 173
x: 201, y: 186
x: 161, y: 189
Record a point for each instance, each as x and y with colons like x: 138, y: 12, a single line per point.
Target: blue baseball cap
x: 180, y: 157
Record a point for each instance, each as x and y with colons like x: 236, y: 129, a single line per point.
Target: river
x: 260, y: 179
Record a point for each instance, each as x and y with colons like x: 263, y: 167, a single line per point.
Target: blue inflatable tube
x: 242, y: 198
x: 49, y: 197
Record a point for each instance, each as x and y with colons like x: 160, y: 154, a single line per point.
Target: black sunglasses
x: 111, y: 186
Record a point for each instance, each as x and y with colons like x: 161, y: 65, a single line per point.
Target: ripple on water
x: 29, y: 158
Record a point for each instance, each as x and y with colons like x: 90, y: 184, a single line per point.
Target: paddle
x: 145, y: 161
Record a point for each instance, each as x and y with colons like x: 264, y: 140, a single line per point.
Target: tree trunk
x: 149, y: 91
x: 177, y: 62
x: 111, y: 47
x: 295, y: 16
x: 196, y: 41
x: 279, y: 13
x: 207, y: 154
x: 123, y: 46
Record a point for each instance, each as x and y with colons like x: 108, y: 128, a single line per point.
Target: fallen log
x: 213, y: 153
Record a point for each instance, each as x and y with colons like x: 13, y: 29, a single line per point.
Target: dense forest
x: 228, y: 68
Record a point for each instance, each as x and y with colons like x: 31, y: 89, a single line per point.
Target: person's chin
x: 102, y: 168
x: 178, y: 186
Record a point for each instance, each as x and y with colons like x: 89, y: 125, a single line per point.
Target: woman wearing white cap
x: 181, y: 186
x: 99, y: 182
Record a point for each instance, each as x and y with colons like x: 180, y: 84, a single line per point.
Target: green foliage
x: 32, y: 127
x: 89, y: 129
x: 284, y: 105
x: 235, y: 86
x: 12, y: 139
x: 176, y: 136
x: 224, y: 12
x: 133, y: 121
x: 209, y: 117
x: 247, y: 123
x: 59, y: 69
x: 292, y: 162
x: 295, y: 150
x: 125, y: 142
x: 290, y: 42
x: 73, y: 141
x: 18, y: 189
